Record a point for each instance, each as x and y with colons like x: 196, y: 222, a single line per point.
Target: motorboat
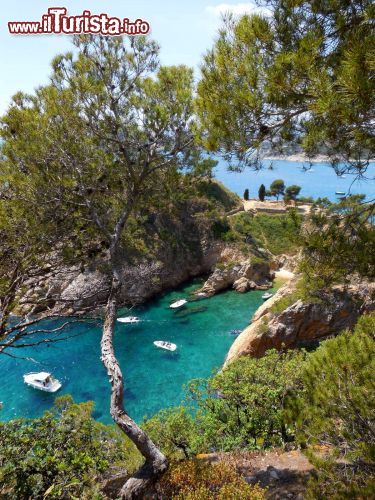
x: 43, y: 381
x: 162, y: 344
x: 129, y: 319
x: 178, y: 304
x: 235, y: 332
x: 341, y: 193
x: 267, y: 296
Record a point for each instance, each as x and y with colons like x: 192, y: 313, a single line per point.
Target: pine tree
x: 277, y: 188
x: 246, y: 195
x: 302, y: 76
x: 262, y: 192
x: 336, y: 409
x: 291, y: 192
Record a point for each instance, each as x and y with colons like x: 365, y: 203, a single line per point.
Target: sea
x: 202, y: 330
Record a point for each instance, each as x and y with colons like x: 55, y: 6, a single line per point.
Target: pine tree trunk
x: 155, y: 462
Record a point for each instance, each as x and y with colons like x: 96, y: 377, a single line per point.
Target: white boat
x: 129, y: 319
x: 266, y: 296
x: 340, y: 192
x: 43, y: 381
x: 178, y: 304
x: 162, y: 344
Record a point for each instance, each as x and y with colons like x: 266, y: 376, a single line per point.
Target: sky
x: 184, y: 29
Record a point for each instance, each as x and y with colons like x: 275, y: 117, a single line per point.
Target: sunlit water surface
x: 154, y: 378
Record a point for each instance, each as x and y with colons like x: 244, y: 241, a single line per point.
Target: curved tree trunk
x: 155, y: 462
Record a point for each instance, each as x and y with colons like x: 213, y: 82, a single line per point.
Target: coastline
x: 303, y: 158
x: 299, y: 157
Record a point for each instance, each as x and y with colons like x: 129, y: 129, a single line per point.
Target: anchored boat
x: 162, y: 344
x: 178, y: 304
x: 266, y: 296
x: 129, y: 319
x: 43, y: 381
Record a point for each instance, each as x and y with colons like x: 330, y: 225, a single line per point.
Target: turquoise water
x: 154, y: 378
x: 321, y: 180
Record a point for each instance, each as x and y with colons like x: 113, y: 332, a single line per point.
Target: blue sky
x: 184, y: 29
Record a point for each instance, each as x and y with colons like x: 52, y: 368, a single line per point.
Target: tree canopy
x: 301, y: 77
x: 94, y: 152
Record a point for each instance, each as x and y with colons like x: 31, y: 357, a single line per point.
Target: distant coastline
x: 299, y: 157
x: 302, y: 157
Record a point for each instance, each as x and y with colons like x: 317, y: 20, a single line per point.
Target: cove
x: 154, y: 378
x: 320, y: 181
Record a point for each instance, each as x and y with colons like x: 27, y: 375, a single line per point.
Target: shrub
x: 337, y: 409
x: 278, y: 233
x: 198, y: 480
x: 60, y: 455
x: 243, y: 406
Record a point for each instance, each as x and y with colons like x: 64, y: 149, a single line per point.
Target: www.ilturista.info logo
x: 56, y: 21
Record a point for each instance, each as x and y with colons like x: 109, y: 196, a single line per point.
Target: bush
x: 336, y: 409
x: 277, y: 233
x: 60, y: 455
x: 197, y: 480
x: 175, y: 431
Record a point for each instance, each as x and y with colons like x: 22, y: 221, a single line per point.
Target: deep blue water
x: 320, y: 181
x: 154, y: 378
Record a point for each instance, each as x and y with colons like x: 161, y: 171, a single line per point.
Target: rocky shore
x: 302, y: 323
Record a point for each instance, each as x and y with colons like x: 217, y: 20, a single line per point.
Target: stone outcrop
x: 303, y: 323
x: 242, y: 277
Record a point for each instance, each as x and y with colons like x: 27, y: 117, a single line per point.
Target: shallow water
x: 320, y: 181
x: 154, y: 378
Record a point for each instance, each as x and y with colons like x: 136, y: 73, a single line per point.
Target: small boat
x: 266, y: 296
x: 235, y: 332
x: 340, y: 192
x: 162, y: 344
x: 43, y: 381
x: 178, y: 304
x: 129, y: 319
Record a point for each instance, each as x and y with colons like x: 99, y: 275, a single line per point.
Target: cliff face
x: 303, y: 322
x: 189, y: 250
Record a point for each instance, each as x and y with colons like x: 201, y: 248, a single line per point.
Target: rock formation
x: 303, y: 322
x: 243, y: 277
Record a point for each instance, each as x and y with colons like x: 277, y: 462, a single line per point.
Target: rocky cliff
x: 177, y: 247
x: 302, y: 322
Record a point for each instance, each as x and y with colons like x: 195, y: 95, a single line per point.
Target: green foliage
x: 338, y: 242
x: 277, y: 233
x: 77, y: 154
x: 246, y: 195
x: 219, y: 194
x: 336, y: 409
x: 305, y: 199
x: 277, y: 188
x: 60, y: 455
x: 243, y: 406
x: 240, y: 407
x: 174, y: 430
x: 220, y: 228
x: 198, y: 480
x: 262, y: 192
x: 300, y: 78
x: 291, y: 192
